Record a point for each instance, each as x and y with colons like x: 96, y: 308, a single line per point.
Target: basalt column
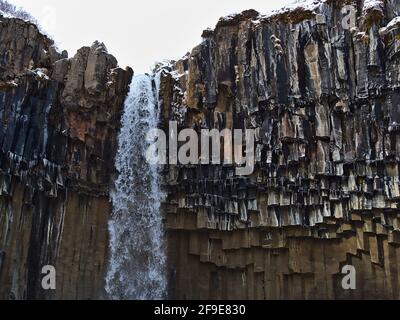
x: 322, y: 92
x: 59, y: 121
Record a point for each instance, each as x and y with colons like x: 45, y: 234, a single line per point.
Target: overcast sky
x: 137, y: 32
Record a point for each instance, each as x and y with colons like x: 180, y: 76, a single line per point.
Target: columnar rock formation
x: 59, y: 119
x: 321, y: 91
x: 323, y: 95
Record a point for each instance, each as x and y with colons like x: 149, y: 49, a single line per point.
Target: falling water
x: 137, y: 258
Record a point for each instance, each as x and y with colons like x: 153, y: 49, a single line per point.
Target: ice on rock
x: 373, y: 5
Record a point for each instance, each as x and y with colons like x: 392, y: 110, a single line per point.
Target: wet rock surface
x: 323, y: 99
x: 59, y: 120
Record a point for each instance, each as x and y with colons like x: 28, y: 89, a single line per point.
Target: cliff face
x: 59, y: 120
x: 322, y: 95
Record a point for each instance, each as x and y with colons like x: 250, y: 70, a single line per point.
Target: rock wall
x: 59, y: 120
x: 323, y: 96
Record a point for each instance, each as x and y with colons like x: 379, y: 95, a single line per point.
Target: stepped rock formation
x: 324, y: 101
x: 323, y: 96
x: 59, y: 121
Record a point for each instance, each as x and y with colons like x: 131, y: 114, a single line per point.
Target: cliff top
x: 297, y: 12
x: 295, y: 7
x: 11, y: 11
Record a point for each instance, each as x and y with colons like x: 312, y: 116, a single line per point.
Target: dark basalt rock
x: 58, y: 136
x: 325, y: 192
x: 2, y: 257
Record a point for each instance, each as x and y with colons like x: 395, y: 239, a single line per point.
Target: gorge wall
x: 59, y: 121
x: 323, y: 97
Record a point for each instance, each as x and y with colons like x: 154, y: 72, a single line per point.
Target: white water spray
x: 137, y: 258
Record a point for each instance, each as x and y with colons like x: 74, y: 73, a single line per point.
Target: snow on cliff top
x: 309, y: 5
x: 12, y: 15
x: 6, y: 15
x: 373, y: 5
x: 306, y: 5
x: 393, y: 24
x: 26, y: 17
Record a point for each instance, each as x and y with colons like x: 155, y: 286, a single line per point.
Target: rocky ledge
x: 322, y: 90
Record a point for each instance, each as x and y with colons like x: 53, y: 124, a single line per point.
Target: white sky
x: 137, y: 32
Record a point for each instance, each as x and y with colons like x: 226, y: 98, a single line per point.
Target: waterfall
x: 137, y: 259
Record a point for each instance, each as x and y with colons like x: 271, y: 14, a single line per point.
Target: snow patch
x: 26, y: 17
x: 393, y: 24
x: 373, y: 5
x: 168, y: 66
x: 307, y: 5
x: 15, y: 15
x: 13, y: 83
x: 230, y: 17
x: 40, y: 73
x: 6, y: 15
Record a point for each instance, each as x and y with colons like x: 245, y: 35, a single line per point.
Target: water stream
x: 137, y: 259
